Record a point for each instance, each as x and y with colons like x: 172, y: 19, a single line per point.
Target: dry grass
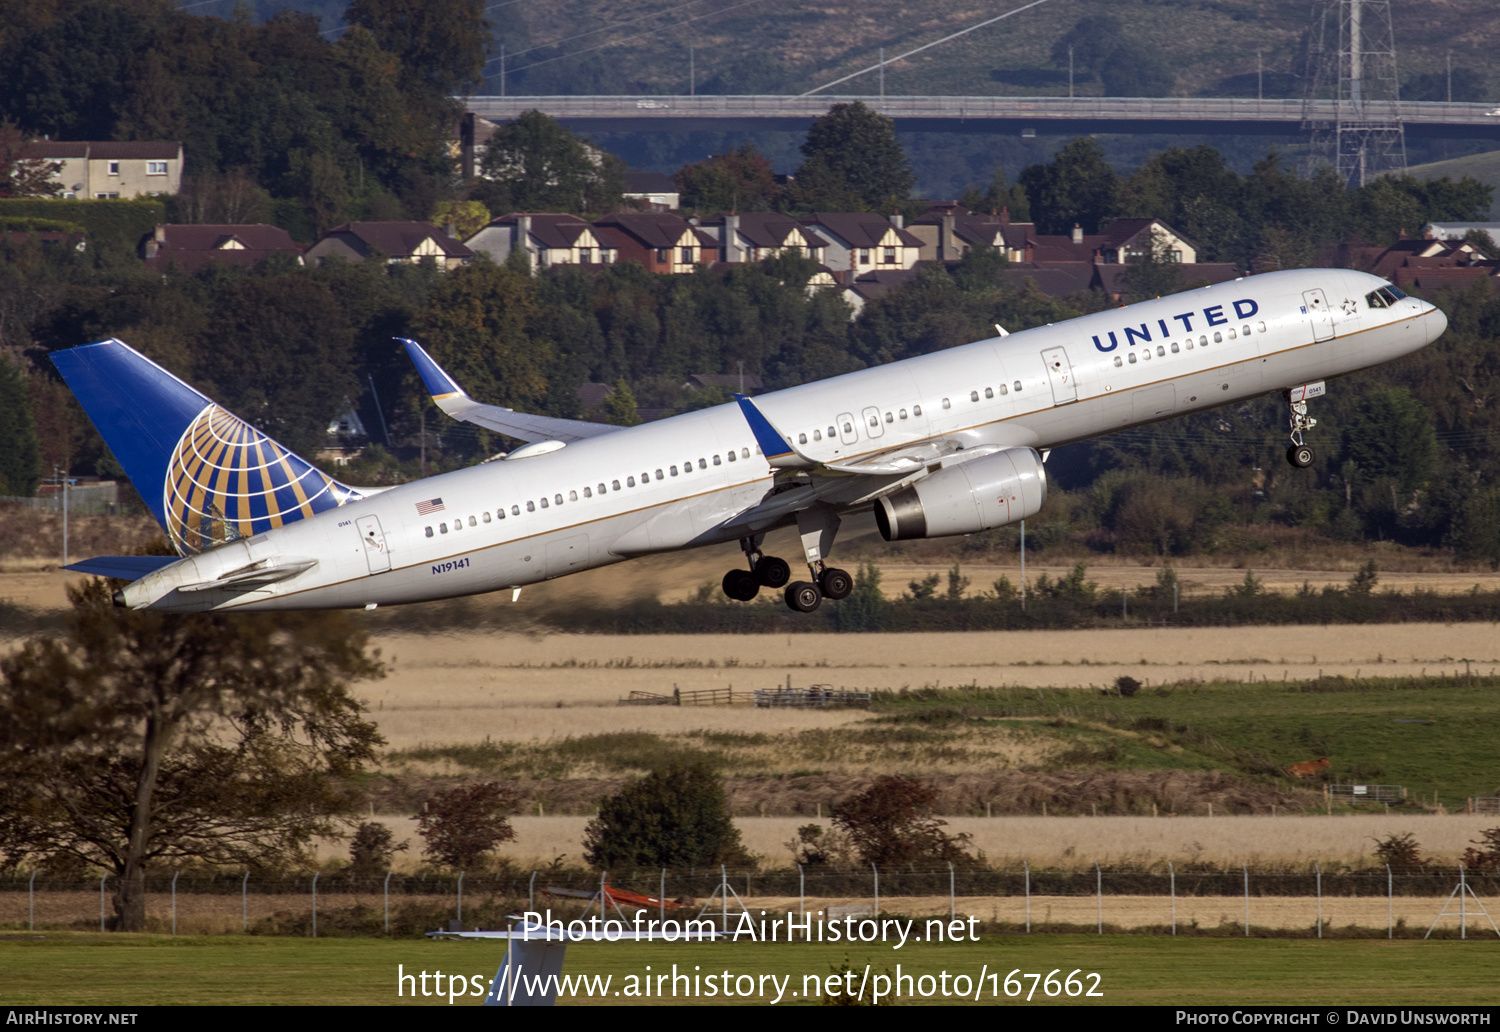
x: 1066, y: 842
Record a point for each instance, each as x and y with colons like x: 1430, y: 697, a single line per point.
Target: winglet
x: 775, y: 446
x: 438, y: 383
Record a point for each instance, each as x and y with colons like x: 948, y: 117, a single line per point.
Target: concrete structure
x: 394, y: 242
x: 112, y: 171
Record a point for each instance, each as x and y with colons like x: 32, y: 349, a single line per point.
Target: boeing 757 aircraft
x: 948, y: 443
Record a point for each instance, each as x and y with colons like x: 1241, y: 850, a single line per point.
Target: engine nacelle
x: 969, y: 497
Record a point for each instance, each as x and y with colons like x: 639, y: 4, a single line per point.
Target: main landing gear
x: 1300, y: 454
x: 817, y: 527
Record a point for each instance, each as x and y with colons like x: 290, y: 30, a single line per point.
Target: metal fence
x: 1166, y: 900
x: 1355, y: 794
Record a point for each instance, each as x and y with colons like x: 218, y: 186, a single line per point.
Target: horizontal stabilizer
x: 123, y: 567
x: 450, y: 397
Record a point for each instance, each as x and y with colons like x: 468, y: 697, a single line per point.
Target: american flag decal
x: 427, y: 508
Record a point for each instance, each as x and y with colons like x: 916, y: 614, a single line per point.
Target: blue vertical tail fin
x: 208, y: 476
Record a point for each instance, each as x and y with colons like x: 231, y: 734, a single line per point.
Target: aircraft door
x: 846, y: 428
x: 376, y: 552
x: 1060, y: 372
x: 1315, y: 304
x: 873, y: 427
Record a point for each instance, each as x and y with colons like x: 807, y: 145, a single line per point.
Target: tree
x: 442, y: 42
x: 1400, y: 851
x: 371, y: 849
x: 854, y: 162
x: 1077, y: 186
x: 675, y: 816
x: 464, y: 823
x: 139, y: 739
x: 891, y: 822
x: 1151, y: 272
x: 534, y: 164
x: 738, y: 180
x: 1091, y: 41
x: 1132, y: 70
x: 19, y: 455
x: 22, y: 176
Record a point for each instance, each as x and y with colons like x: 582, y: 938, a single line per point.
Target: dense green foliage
x: 673, y: 817
x: 20, y: 464
x: 853, y: 162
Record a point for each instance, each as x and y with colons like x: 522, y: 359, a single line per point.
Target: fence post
x: 388, y: 901
x: 315, y: 903
x: 1027, y: 867
x: 662, y: 898
x: 1319, y: 869
x: 1246, y: 869
x: 802, y: 894
x: 31, y: 896
x: 245, y: 901
x: 174, y: 901
x: 531, y: 893
x: 952, y: 894
x: 1390, y: 904
x: 101, y: 901
x: 877, y: 889
x: 1463, y: 904
x: 1172, y: 874
x: 1099, y: 894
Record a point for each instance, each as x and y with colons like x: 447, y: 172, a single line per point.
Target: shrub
x: 675, y: 816
x: 371, y: 849
x: 462, y: 824
x: 891, y: 822
x: 1400, y: 851
x: 1126, y: 685
x: 1487, y: 857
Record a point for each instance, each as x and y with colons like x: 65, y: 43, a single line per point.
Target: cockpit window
x: 1383, y: 298
x: 1396, y: 292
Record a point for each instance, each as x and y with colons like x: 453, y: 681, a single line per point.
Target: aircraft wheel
x: 803, y: 596
x: 1300, y: 455
x: 741, y: 585
x: 836, y: 584
x: 772, y: 572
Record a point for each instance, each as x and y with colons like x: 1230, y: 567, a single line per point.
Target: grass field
x: 77, y: 969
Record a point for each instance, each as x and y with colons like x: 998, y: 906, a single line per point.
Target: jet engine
x: 972, y: 496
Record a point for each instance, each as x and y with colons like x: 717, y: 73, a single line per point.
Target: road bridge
x: 1022, y: 116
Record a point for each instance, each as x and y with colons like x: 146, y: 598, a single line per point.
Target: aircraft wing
x: 450, y: 397
x: 783, y: 454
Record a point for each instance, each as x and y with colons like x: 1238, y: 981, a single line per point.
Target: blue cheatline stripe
x: 772, y: 444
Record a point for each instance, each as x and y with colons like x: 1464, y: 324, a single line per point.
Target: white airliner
x: 948, y: 443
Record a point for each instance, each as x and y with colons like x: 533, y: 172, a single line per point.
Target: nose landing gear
x: 1300, y: 454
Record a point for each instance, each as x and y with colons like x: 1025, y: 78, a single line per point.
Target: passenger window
x: 515, y: 510
x: 832, y: 433
x: 1245, y: 330
x: 674, y: 470
x: 1132, y: 358
x: 1218, y: 337
x: 1175, y: 349
x: 458, y: 524
x: 947, y: 404
x: 973, y: 395
x: 544, y: 503
x: 572, y: 496
x: 1160, y: 351
x: 473, y: 522
x: 989, y: 392
x: 1018, y: 385
x: 1146, y: 354
x: 486, y: 515
x: 588, y: 492
x: 1231, y: 333
x: 614, y: 485
x: 1119, y: 361
x: 442, y: 528
x: 745, y: 452
x: 660, y: 477
x: 1004, y: 390
x: 889, y: 418
x: 1190, y: 343
x: 702, y: 463
x: 718, y: 461
x: 902, y: 413
x: 801, y: 438
x: 916, y: 410
x: 1203, y: 342
x: 1261, y: 327
x: 874, y: 421
x: 848, y: 428
x: 557, y: 499
x: 730, y: 456
x: 630, y: 481
x: 500, y: 513
x: 429, y: 532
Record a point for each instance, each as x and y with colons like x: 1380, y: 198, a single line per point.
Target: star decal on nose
x: 1349, y: 306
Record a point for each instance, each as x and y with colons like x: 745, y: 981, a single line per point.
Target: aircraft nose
x: 1437, y: 322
